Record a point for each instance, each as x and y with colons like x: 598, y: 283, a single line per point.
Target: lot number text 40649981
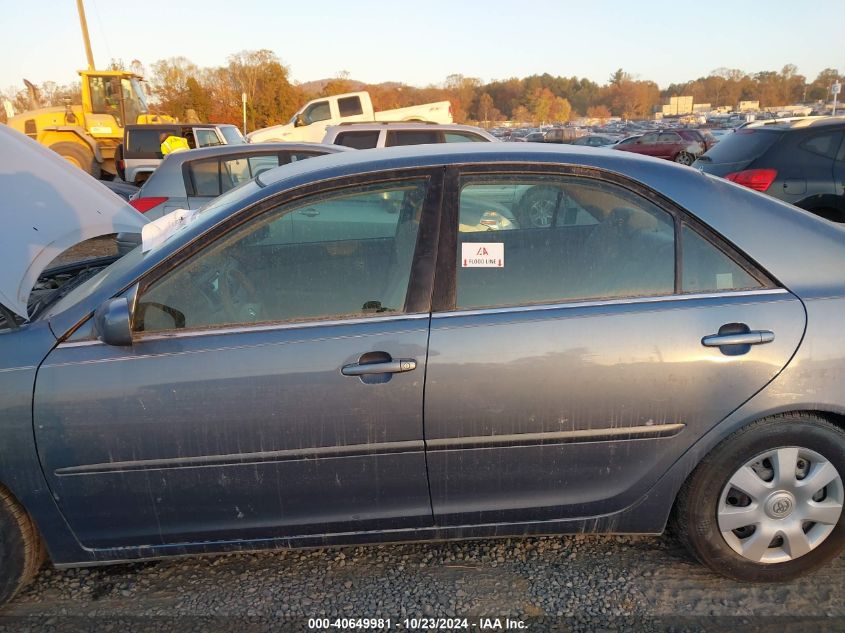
x: 416, y: 624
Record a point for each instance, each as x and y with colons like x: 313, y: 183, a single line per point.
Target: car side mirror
x: 299, y: 121
x: 112, y: 322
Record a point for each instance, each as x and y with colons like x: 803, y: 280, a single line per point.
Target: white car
x: 390, y: 134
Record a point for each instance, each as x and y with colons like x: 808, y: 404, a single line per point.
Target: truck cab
x: 310, y: 122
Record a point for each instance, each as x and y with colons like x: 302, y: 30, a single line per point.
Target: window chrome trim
x: 262, y: 327
x: 610, y: 302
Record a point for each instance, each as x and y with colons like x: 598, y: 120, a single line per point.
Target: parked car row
x: 535, y: 301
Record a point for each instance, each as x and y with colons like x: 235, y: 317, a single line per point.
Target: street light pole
x: 835, y: 88
x: 243, y: 102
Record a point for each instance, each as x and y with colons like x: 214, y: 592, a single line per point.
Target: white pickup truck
x: 310, y: 122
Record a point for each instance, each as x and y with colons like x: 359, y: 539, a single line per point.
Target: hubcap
x: 780, y: 505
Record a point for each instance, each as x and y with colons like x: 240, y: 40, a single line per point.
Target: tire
x: 21, y: 549
x: 709, y: 502
x: 536, y: 207
x: 685, y: 158
x: 118, y: 157
x: 79, y: 155
x: 827, y: 213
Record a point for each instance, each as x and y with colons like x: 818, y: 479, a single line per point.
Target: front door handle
x: 752, y: 337
x: 388, y: 367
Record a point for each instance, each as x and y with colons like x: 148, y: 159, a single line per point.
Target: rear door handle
x: 389, y: 367
x: 754, y: 337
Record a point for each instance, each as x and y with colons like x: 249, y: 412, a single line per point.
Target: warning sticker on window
x: 474, y: 255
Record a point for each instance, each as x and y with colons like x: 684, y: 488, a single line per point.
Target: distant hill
x: 316, y: 87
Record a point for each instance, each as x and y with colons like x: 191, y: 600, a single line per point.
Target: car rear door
x: 273, y: 388
x: 809, y: 168
x: 567, y: 368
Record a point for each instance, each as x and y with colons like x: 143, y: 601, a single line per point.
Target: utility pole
x: 84, y: 24
x: 243, y: 103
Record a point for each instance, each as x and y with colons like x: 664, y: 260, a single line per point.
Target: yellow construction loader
x: 88, y: 134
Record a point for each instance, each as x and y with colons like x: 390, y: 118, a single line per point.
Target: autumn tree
x: 339, y: 85
x: 487, y: 111
x: 461, y: 92
x: 599, y: 112
x: 521, y: 114
x: 170, y: 84
x: 819, y: 89
x: 271, y: 98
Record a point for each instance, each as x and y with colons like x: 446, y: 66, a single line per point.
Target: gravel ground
x: 575, y: 583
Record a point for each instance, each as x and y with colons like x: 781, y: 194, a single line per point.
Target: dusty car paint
x: 615, y: 401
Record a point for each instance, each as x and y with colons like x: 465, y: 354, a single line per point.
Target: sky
x: 422, y: 42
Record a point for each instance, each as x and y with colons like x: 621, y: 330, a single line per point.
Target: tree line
x: 181, y: 88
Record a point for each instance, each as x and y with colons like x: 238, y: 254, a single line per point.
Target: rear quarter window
x: 826, y: 144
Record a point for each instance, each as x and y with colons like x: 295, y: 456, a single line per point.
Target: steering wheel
x: 238, y: 294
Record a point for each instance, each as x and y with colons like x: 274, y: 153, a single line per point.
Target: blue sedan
x: 381, y: 346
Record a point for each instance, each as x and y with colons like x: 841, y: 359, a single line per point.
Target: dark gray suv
x: 802, y: 162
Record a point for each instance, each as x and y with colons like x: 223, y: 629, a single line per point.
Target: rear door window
x: 210, y: 177
x: 412, y: 137
x: 358, y: 140
x: 350, y: 106
x: 535, y: 239
x: 669, y: 137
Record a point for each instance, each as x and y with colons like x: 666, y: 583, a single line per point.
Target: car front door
x: 566, y: 365
x: 669, y: 144
x: 647, y: 145
x: 273, y: 388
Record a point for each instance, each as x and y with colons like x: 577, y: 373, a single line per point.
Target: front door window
x: 338, y: 255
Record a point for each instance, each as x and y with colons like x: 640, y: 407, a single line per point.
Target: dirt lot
x: 583, y: 583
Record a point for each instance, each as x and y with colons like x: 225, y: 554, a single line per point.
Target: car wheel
x: 78, y: 155
x: 21, y: 550
x: 536, y: 209
x: 766, y: 504
x: 685, y: 158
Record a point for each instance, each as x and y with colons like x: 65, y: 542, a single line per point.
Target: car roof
x: 167, y: 126
x: 687, y: 187
x: 803, y: 123
x: 250, y: 148
x: 380, y: 125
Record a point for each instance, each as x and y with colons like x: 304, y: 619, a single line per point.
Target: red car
x: 681, y: 146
